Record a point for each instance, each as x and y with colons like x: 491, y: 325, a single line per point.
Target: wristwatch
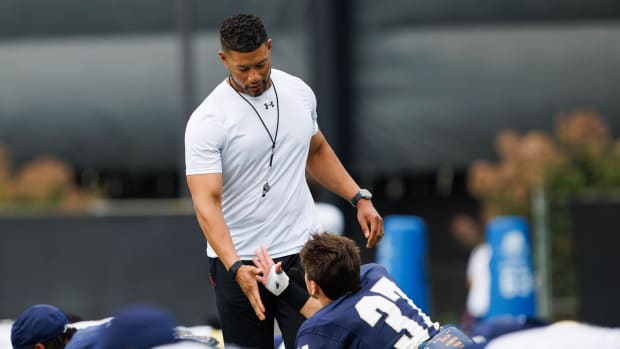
x: 362, y: 194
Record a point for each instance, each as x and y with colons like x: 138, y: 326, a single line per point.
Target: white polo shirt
x: 224, y: 135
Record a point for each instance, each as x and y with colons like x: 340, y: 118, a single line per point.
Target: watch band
x: 362, y: 194
x: 356, y: 199
x: 234, y: 268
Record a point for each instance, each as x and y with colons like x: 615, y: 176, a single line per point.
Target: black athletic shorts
x: 240, y: 326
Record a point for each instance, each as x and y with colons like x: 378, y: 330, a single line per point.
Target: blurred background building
x: 411, y: 94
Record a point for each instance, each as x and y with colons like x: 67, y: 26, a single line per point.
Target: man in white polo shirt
x: 247, y: 147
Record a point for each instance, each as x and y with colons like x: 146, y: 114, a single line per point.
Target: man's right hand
x: 246, y: 278
x: 273, y: 271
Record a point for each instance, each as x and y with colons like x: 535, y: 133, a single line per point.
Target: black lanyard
x: 274, y: 138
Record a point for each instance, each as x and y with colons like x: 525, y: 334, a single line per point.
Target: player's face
x: 249, y: 71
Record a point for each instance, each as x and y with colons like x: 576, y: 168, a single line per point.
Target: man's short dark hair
x: 242, y: 33
x: 333, y: 262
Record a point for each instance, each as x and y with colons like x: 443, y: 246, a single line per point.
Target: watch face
x: 362, y: 194
x: 366, y: 194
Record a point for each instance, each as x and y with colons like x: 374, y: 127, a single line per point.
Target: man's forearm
x: 216, y: 232
x: 279, y: 284
x: 297, y: 297
x: 325, y: 167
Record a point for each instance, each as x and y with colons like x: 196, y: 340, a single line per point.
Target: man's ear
x: 314, y: 289
x: 223, y: 58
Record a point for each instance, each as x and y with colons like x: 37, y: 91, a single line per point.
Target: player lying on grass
x: 353, y: 305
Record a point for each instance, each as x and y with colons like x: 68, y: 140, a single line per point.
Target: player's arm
x: 206, y: 191
x: 325, y: 167
x: 312, y: 340
x: 277, y: 282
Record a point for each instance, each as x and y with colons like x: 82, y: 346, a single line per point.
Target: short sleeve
x: 204, y: 139
x: 314, y: 114
x: 309, y: 100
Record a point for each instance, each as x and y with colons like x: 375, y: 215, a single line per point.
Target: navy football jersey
x: 378, y: 315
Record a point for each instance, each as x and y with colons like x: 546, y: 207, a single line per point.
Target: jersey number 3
x: 372, y: 308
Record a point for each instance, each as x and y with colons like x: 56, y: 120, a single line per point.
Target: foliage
x: 41, y: 184
x: 579, y: 158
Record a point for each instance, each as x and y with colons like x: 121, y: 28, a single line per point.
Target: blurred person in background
x: 45, y: 326
x: 138, y: 326
x: 469, y: 233
x: 247, y: 147
x: 562, y: 334
x: 475, y: 320
x: 330, y: 217
x: 144, y: 326
x: 41, y: 326
x: 359, y: 306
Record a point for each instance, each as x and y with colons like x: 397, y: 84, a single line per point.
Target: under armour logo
x: 270, y: 104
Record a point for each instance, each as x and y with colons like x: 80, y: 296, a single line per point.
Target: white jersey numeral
x: 372, y: 308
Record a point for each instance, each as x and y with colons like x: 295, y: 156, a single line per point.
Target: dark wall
x: 455, y: 12
x: 24, y: 18
x: 92, y: 265
x: 35, y: 18
x: 596, y: 248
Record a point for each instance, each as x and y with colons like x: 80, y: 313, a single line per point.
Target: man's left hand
x: 370, y: 222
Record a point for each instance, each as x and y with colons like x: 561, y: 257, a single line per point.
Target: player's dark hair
x: 59, y: 341
x: 242, y: 33
x: 333, y: 262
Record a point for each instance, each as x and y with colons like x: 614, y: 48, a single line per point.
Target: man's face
x: 249, y: 71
